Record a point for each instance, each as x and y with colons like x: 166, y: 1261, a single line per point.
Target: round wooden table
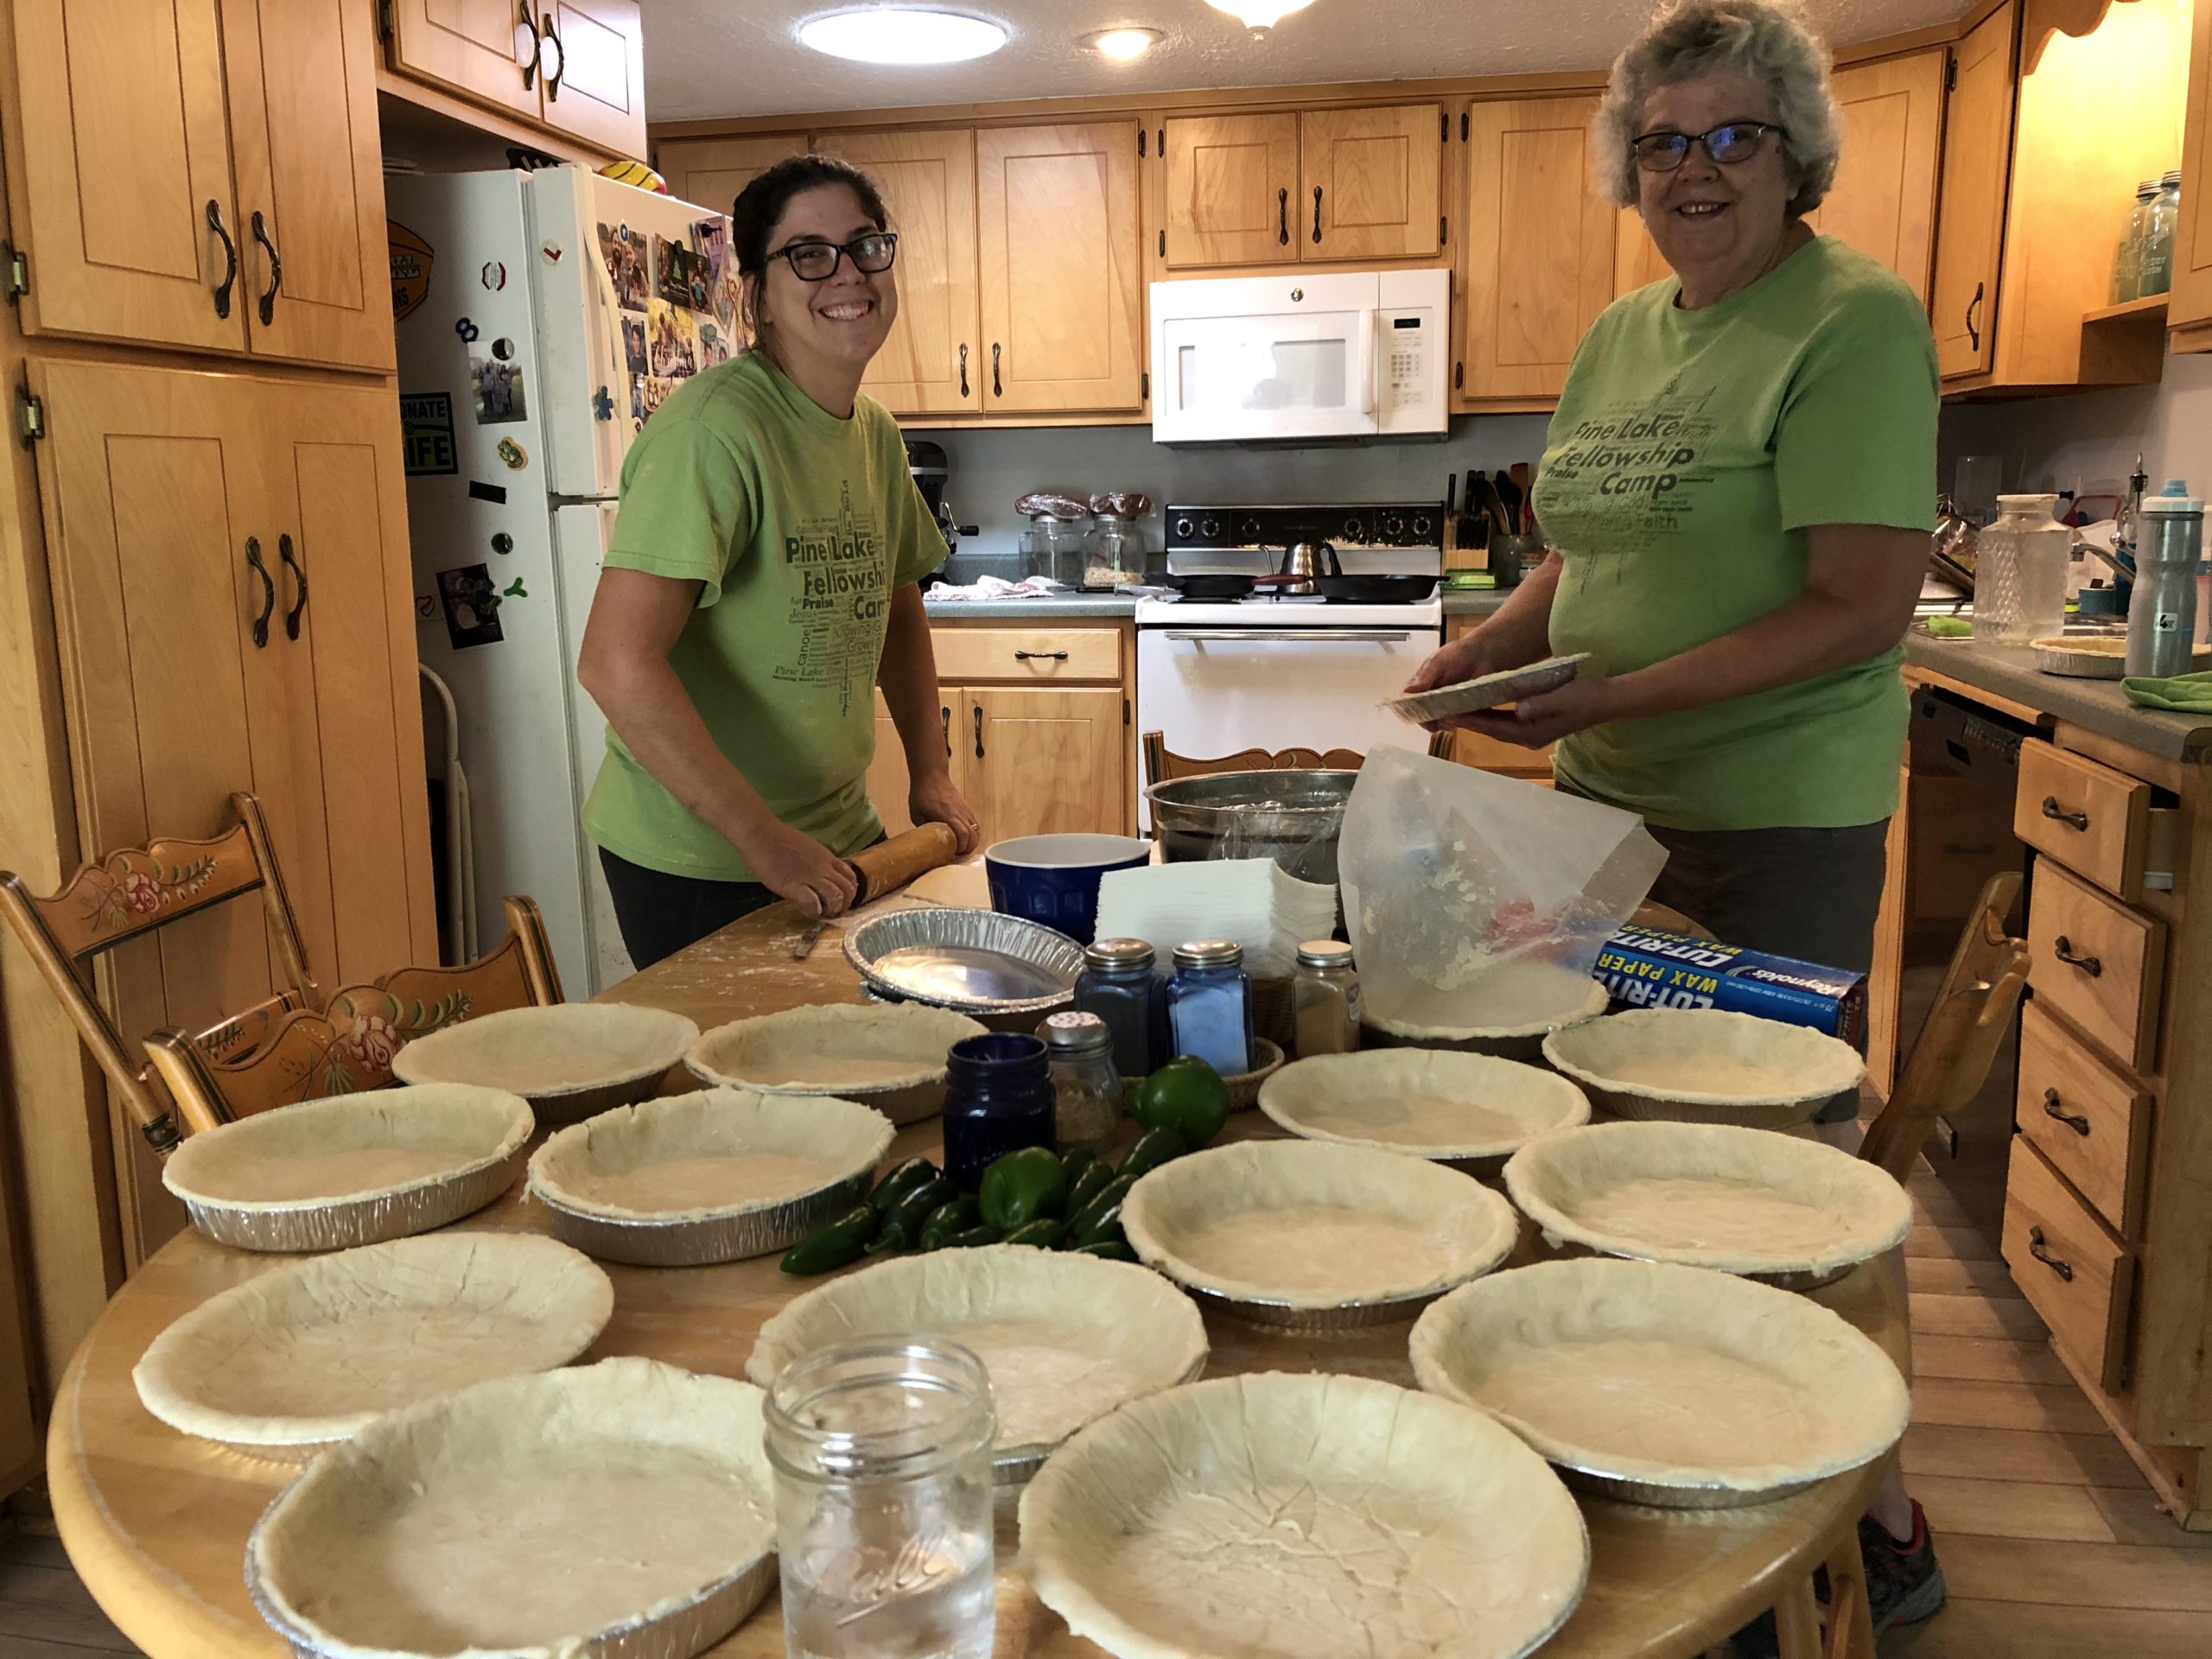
x: 156, y: 1522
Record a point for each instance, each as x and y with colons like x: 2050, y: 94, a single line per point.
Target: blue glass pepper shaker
x: 1121, y: 986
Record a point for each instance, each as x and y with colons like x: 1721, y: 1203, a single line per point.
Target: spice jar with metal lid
x: 1086, y: 1088
x: 1325, y: 999
x: 1121, y: 984
x: 1209, y: 1005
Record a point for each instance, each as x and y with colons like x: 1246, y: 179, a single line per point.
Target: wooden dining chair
x: 134, y: 891
x: 348, y: 1045
x: 1160, y: 766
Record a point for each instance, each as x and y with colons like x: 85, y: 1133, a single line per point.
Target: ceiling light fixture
x: 902, y: 35
x: 1259, y: 16
x: 1124, y: 45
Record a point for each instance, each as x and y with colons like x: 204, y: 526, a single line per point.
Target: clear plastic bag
x: 1476, y: 901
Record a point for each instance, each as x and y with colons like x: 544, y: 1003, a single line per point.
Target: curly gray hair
x: 1768, y: 40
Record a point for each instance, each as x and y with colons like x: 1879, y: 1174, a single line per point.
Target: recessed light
x: 901, y: 35
x: 1124, y: 45
x: 1257, y: 14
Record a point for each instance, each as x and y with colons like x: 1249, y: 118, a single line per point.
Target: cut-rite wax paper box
x: 1647, y: 967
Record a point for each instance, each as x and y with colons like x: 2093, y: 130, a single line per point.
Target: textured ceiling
x: 742, y: 57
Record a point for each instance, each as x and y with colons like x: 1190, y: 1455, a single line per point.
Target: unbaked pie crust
x: 1429, y: 1102
x: 546, y: 1053
x: 890, y: 1056
x: 1704, y: 1064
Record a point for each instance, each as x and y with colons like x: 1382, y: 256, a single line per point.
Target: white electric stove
x: 1217, y: 675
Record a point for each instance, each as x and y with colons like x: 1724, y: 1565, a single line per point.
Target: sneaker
x: 1904, y: 1584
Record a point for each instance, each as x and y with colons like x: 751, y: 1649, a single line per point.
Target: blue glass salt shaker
x: 1209, y: 1005
x: 1120, y: 985
x: 998, y: 1099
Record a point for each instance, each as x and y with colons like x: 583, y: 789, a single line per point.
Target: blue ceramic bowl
x: 1054, y: 878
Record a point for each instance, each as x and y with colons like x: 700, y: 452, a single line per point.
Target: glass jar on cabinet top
x: 2163, y: 215
x: 1116, y: 554
x: 1054, y: 547
x: 2127, y: 257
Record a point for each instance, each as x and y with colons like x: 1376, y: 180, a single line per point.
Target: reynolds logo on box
x: 1649, y: 969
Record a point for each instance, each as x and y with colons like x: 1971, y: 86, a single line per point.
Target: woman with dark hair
x: 761, y: 584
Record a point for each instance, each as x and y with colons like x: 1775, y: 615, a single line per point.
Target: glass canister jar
x: 2127, y: 256
x: 1209, y: 1005
x: 1123, y: 987
x: 1054, y: 547
x: 998, y: 1099
x: 2020, y: 572
x: 1325, y: 999
x: 881, y: 1449
x: 1086, y: 1087
x: 2157, y: 275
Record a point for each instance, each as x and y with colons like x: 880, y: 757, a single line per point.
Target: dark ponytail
x: 759, y: 205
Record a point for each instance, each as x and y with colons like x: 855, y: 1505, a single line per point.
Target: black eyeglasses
x: 1728, y: 144
x: 816, y: 262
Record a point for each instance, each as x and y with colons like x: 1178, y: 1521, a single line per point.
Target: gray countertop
x: 2098, y: 706
x: 1039, y: 610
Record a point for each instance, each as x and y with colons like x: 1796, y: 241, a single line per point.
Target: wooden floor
x: 44, y: 1612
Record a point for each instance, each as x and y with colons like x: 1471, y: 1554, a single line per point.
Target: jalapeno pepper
x: 1089, y: 1185
x: 899, y: 1182
x: 1043, y: 1233
x: 1109, y: 1249
x: 973, y: 1237
x: 835, y: 1245
x: 947, y: 1219
x: 1153, y: 1147
x: 1103, y: 1211
x: 902, y: 1227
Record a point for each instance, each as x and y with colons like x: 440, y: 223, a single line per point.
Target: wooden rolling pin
x: 892, y: 864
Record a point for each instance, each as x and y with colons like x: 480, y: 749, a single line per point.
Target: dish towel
x: 2188, y: 694
x: 998, y: 588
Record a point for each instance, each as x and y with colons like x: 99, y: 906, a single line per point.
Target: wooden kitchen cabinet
x: 1883, y: 201
x: 1060, y: 267
x: 1977, y: 157
x: 133, y: 130
x: 888, y: 780
x: 1231, y: 180
x: 931, y: 361
x: 1539, y: 251
x: 123, y: 158
x: 576, y: 65
x: 2188, y: 306
x: 1371, y: 184
x: 1042, y: 762
x: 167, y: 496
x: 711, y: 171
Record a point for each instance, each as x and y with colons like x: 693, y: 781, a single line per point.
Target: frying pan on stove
x: 1375, y: 590
x: 1215, y: 586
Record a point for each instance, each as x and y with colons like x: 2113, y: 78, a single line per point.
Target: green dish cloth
x: 2188, y: 694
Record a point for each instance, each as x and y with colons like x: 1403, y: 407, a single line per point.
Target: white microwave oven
x: 1330, y: 354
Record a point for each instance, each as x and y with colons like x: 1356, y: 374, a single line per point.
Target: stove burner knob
x: 1210, y: 528
x: 1183, y: 528
x: 1247, y: 528
x: 1393, y: 529
x: 1422, y: 528
x: 1355, y: 530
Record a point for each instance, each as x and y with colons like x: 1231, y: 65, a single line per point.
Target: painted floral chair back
x: 133, y: 891
x: 1160, y: 765
x: 348, y: 1045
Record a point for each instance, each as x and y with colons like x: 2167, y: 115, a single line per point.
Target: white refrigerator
x: 542, y: 318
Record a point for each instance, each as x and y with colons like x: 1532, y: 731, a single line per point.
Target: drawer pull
x: 2041, y: 1251
x: 1040, y: 656
x: 977, y: 710
x: 2058, y: 814
x: 947, y: 713
x: 2073, y: 1120
x: 2063, y: 949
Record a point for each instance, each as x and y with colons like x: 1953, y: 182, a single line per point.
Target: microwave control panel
x: 1409, y: 350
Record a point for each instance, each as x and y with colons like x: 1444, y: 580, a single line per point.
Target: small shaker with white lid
x: 1325, y: 999
x: 1086, y: 1087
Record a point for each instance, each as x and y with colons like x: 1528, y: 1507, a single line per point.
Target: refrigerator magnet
x: 602, y: 404
x: 466, y: 330
x: 513, y: 453
x: 412, y: 259
x: 472, y: 606
x: 497, y: 391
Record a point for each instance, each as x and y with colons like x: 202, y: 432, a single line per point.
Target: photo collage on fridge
x: 680, y: 307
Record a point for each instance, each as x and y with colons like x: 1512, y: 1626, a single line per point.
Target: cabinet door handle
x: 268, y: 591
x: 230, y: 259
x: 2063, y: 948
x: 947, y: 713
x: 1974, y: 309
x: 2052, y: 1108
x: 1282, y: 216
x: 2041, y: 1251
x: 997, y: 391
x: 1040, y: 656
x: 963, y: 368
x: 978, y: 712
x: 557, y: 64
x: 527, y: 45
x: 299, y: 577
x: 1317, y: 213
x: 276, y: 269
x: 2058, y: 814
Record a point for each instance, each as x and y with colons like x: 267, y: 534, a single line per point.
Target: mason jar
x: 881, y: 1449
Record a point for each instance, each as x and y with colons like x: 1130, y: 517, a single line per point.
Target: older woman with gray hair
x: 1738, y: 483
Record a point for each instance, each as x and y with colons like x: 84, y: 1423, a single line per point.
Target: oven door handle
x: 1371, y: 636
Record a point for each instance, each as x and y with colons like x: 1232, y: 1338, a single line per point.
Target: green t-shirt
x: 800, y: 525
x: 1690, y: 453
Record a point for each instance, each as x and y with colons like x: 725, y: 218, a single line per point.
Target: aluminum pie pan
x: 973, y: 962
x: 702, y: 1240
x: 1012, y: 1469
x: 1660, y: 1495
x: 1341, y: 1316
x: 346, y: 1223
x: 1488, y: 690
x: 690, y: 1628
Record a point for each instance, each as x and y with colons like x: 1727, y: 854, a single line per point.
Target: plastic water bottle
x: 2162, y: 615
x: 2020, y: 572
